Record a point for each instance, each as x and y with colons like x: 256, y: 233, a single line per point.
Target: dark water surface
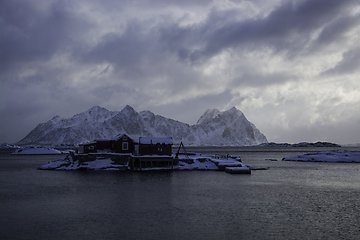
x: 291, y: 200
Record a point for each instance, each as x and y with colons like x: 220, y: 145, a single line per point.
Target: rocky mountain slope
x: 214, y: 128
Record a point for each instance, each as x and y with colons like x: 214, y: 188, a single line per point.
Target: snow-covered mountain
x: 214, y: 128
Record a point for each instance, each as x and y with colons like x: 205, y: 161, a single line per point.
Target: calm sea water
x: 291, y: 200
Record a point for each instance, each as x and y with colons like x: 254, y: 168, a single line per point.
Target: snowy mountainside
x: 214, y: 128
x: 227, y: 128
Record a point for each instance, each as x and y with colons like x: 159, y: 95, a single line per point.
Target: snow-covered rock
x: 327, y: 156
x: 7, y: 145
x: 214, y: 128
x: 36, y: 151
x: 196, y: 164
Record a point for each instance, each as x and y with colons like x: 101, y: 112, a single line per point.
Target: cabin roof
x: 103, y: 140
x: 121, y: 136
x: 149, y: 140
x: 114, y: 139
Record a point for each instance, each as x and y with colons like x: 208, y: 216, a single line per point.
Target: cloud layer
x: 291, y: 66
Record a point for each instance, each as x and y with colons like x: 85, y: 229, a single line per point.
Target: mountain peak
x: 213, y: 113
x: 208, y: 115
x: 234, y: 110
x: 128, y: 109
x: 55, y: 119
x: 96, y: 109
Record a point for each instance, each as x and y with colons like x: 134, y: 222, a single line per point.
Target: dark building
x: 155, y: 146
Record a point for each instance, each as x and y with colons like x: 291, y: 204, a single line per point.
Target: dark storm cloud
x: 138, y: 56
x: 287, y: 28
x: 126, y: 51
x: 30, y: 34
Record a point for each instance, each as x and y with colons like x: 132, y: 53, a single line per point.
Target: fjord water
x: 291, y: 200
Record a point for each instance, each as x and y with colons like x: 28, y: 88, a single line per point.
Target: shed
x: 89, y: 147
x: 155, y: 146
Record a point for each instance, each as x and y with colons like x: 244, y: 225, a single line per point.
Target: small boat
x: 271, y: 159
x: 238, y: 170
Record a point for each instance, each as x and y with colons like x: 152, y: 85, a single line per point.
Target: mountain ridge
x: 214, y: 128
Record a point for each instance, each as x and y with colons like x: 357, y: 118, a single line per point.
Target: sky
x: 292, y: 67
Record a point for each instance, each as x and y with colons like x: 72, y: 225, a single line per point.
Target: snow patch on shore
x: 197, y: 164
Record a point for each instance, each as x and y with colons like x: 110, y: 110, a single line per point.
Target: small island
x: 301, y: 144
x: 148, y: 154
x: 38, y: 151
x: 339, y: 156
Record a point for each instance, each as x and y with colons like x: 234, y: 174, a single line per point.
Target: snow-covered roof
x: 149, y: 140
x: 87, y: 143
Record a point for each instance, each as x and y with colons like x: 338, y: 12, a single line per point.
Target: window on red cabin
x: 125, y: 146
